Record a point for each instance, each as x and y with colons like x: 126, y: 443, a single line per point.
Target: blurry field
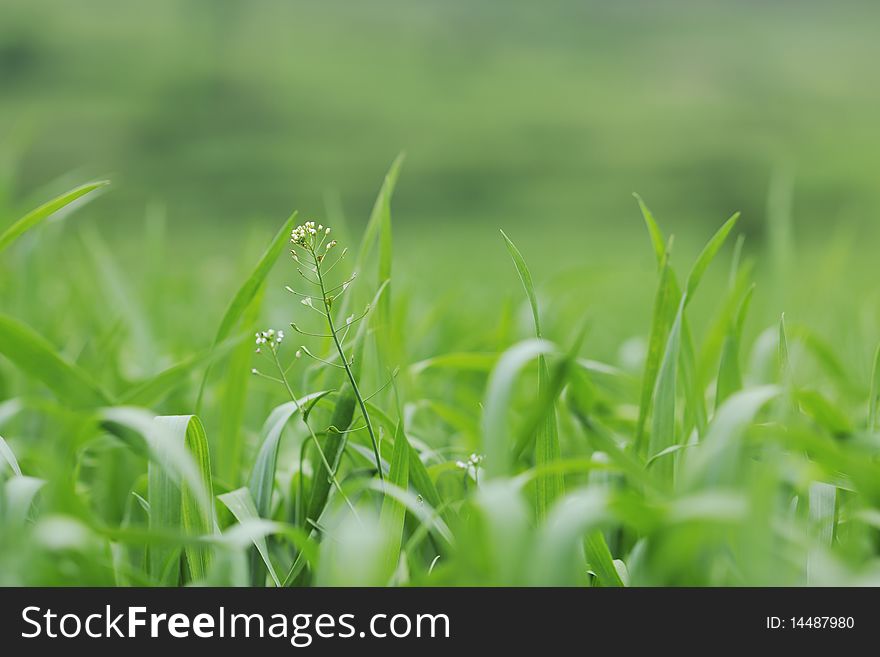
x: 648, y: 441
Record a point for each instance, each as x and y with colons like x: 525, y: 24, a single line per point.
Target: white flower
x: 299, y: 353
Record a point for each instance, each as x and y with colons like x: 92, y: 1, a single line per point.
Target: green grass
x: 372, y: 446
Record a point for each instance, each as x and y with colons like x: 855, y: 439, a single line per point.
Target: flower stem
x: 347, y: 367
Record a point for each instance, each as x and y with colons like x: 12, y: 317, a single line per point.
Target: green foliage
x: 374, y: 452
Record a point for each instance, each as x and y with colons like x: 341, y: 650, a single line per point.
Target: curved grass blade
x: 179, y: 485
x: 658, y: 242
x: 152, y: 391
x: 393, y: 512
x: 708, y: 255
x: 600, y: 560
x: 715, y: 460
x: 197, y: 507
x: 497, y: 402
x: 262, y: 479
x: 38, y: 358
x: 551, y: 486
x: 19, y: 493
x: 241, y: 505
x: 249, y: 289
x: 9, y: 456
x: 39, y: 214
x: 662, y: 318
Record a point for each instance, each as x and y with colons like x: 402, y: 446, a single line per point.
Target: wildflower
x: 299, y: 353
x: 306, y: 236
x: 254, y: 370
x: 269, y: 336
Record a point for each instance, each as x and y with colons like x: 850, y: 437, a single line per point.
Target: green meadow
x: 317, y: 294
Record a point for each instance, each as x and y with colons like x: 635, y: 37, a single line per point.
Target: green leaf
x: 262, y: 479
x: 663, y: 425
x: 783, y: 356
x: 245, y: 295
x: 657, y: 240
x: 526, y: 277
x: 232, y: 398
x: 663, y: 314
x: 707, y: 255
x: 8, y: 456
x: 36, y: 357
x: 715, y: 460
x: 179, y: 486
x: 729, y: 373
x: 874, y: 397
x: 823, y: 503
x: 394, y: 512
x: 498, y: 402
x: 550, y: 486
x: 197, y: 508
x: 37, y: 215
x: 600, y: 560
x: 462, y: 362
x: 379, y: 217
x: 19, y: 493
x: 825, y: 413
x: 575, y: 515
x: 248, y: 290
x: 241, y: 505
x: 119, y: 295
x: 153, y: 390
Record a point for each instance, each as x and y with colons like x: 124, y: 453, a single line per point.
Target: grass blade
x: 39, y: 359
x: 393, y: 512
x: 197, y: 508
x: 246, y: 294
x: 497, y: 402
x: 39, y: 214
x: 600, y: 560
x: 708, y: 255
x: 662, y: 318
x: 657, y: 240
x: 663, y: 425
x: 551, y: 485
x: 9, y: 456
x: 874, y: 396
x: 241, y: 505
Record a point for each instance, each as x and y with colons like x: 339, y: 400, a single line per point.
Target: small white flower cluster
x: 269, y: 336
x: 473, y: 461
x: 305, y: 234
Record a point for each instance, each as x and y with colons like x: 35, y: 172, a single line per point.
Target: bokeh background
x: 221, y: 116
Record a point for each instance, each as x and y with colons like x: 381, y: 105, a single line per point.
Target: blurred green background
x: 542, y: 118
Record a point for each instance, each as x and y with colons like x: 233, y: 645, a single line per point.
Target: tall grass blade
x: 550, y: 486
x: 34, y: 217
x: 249, y: 289
x: 9, y: 456
x: 394, y: 512
x: 39, y: 359
x: 241, y: 505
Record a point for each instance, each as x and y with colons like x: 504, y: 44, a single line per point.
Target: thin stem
x: 351, y: 378
x: 311, y: 432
